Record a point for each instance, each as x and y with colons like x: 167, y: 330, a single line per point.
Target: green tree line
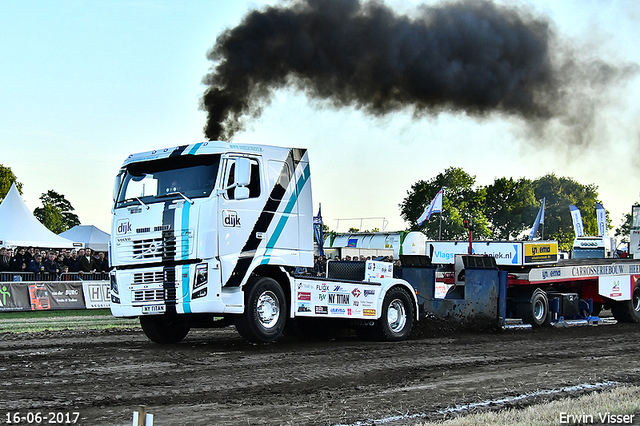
x: 503, y: 210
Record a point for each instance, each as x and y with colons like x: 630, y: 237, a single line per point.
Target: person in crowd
x: 72, y: 262
x: 88, y: 262
x: 36, y: 265
x: 18, y: 263
x: 319, y: 266
x: 60, y: 261
x: 28, y: 255
x: 4, y: 260
x: 50, y: 265
x: 103, y: 263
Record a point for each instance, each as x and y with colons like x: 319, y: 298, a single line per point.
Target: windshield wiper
x: 141, y: 202
x: 168, y: 194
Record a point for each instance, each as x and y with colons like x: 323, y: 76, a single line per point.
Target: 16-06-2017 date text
x: 40, y: 418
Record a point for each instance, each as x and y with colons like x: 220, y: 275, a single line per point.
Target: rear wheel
x: 265, y: 311
x: 164, y: 328
x: 535, y: 311
x: 396, y: 318
x: 628, y: 310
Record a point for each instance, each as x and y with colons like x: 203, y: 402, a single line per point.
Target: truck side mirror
x: 242, y: 178
x: 242, y: 172
x: 241, y: 193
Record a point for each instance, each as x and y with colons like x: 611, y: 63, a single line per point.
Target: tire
x: 164, y: 329
x: 397, y: 316
x: 265, y: 312
x: 536, y: 310
x: 628, y: 310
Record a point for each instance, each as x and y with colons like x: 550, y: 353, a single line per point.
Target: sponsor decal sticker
x: 124, y: 227
x: 304, y: 296
x: 368, y: 293
x: 322, y: 310
x: 230, y: 219
x: 369, y: 312
x: 339, y: 298
x: 304, y: 307
x: 356, y: 292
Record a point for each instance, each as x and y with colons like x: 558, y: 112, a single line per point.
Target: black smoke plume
x: 467, y: 56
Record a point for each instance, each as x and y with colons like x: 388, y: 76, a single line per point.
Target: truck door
x: 238, y: 237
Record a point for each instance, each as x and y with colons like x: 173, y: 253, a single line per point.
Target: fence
x: 46, y: 276
x: 29, y: 291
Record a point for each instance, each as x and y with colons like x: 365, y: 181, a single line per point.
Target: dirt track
x: 215, y: 378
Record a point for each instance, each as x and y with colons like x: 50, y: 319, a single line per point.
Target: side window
x: 280, y: 175
x: 254, y: 185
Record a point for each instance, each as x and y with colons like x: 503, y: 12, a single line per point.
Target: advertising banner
x: 35, y: 296
x: 540, y: 252
x: 96, y: 294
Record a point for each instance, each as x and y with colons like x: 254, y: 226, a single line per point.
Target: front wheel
x: 164, y: 328
x: 628, y: 310
x: 265, y: 311
x: 396, y: 318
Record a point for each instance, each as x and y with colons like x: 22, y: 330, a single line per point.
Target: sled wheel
x: 164, y: 328
x: 397, y: 315
x: 536, y: 310
x: 628, y: 310
x: 265, y: 310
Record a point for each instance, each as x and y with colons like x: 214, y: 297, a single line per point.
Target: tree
x: 560, y: 193
x: 461, y: 201
x: 6, y: 179
x: 624, y: 230
x: 56, y: 212
x: 511, y: 207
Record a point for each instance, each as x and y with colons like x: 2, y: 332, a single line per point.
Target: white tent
x: 91, y: 236
x: 20, y: 228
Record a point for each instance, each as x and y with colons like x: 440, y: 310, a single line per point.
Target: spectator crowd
x: 53, y: 263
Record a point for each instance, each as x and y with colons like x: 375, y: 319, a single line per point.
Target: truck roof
x: 202, y: 148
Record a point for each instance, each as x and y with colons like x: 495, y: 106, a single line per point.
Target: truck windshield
x: 590, y: 253
x: 191, y: 176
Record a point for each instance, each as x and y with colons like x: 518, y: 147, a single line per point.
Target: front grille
x: 154, y: 295
x: 155, y: 248
x: 148, y: 277
x: 148, y: 295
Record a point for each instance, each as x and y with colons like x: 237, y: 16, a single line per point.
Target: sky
x: 85, y: 83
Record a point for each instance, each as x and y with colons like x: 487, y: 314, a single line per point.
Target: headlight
x: 114, y: 284
x: 202, y: 275
x: 113, y: 288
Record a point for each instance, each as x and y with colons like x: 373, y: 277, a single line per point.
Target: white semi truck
x: 216, y: 233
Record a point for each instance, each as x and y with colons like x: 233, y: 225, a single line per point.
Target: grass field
x: 620, y: 405
x: 89, y: 319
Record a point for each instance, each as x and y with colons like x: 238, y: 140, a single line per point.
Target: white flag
x: 577, y: 221
x: 601, y: 214
x: 434, y: 207
x: 539, y: 220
